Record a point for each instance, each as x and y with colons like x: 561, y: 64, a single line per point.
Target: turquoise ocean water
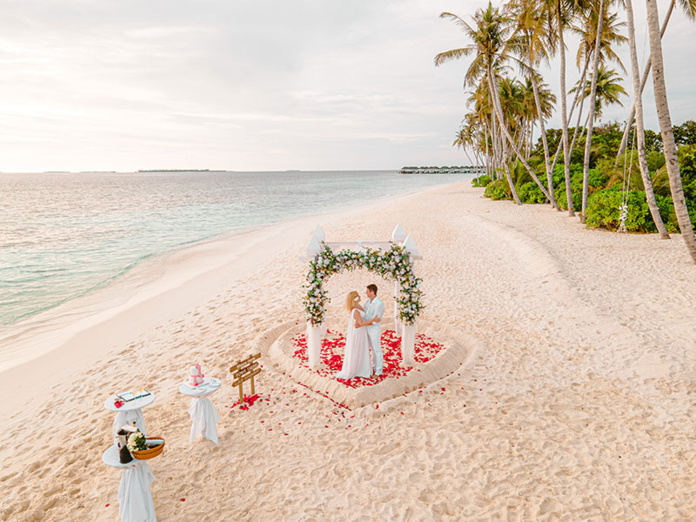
x: 63, y: 235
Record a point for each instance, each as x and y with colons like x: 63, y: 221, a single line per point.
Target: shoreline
x: 65, y: 336
x: 9, y: 331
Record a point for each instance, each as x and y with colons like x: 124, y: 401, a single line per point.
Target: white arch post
x: 408, y: 331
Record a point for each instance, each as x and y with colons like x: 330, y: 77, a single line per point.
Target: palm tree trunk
x: 495, y: 95
x: 544, y: 141
x: 643, y: 81
x: 513, y: 190
x: 670, y: 147
x: 495, y: 148
x: 638, y: 104
x: 582, y: 128
x: 578, y: 98
x: 504, y: 163
x: 590, y: 119
x: 564, y: 113
x: 488, y: 155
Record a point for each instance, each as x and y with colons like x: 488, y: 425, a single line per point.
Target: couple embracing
x: 364, y: 336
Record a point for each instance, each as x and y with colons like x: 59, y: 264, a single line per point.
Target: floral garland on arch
x: 394, y: 263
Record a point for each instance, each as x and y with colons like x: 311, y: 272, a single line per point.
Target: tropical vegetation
x: 617, y: 176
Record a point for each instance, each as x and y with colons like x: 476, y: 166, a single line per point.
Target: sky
x: 266, y: 85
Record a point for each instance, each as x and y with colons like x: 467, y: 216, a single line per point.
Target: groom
x: 374, y: 308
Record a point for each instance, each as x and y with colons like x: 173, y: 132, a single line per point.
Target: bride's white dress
x: 356, y: 359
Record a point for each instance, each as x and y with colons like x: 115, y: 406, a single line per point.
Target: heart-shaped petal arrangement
x: 439, y: 351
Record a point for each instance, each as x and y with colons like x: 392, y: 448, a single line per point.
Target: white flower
x: 135, y: 441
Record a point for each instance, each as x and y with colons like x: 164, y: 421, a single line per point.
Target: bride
x: 356, y: 359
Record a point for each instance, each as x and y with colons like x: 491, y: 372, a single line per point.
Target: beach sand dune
x: 580, y: 409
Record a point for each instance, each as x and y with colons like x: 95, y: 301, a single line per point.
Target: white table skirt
x: 128, y: 417
x: 205, y: 418
x: 134, y: 497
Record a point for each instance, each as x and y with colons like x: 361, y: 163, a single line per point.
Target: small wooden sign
x: 245, y: 370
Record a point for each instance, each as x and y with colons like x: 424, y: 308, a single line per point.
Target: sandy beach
x: 581, y: 406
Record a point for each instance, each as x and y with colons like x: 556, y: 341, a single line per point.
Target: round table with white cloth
x: 203, y: 414
x: 130, y: 412
x: 134, y: 498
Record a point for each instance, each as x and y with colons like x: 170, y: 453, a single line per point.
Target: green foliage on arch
x: 394, y: 263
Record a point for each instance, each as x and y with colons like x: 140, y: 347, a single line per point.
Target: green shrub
x: 687, y: 169
x: 597, y: 180
x: 481, y: 181
x: 656, y: 160
x: 603, y: 211
x: 669, y: 217
x: 663, y: 192
x: 499, y: 189
x: 660, y: 183
x: 531, y: 193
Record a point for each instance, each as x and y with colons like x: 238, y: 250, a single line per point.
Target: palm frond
x: 453, y: 54
x: 689, y: 7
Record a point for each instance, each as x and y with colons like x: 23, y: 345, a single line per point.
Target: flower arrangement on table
x: 394, y: 263
x: 137, y: 441
x: 143, y: 448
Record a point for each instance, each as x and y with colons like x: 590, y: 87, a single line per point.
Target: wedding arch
x: 390, y: 259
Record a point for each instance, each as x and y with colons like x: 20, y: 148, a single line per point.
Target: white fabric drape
x: 128, y: 417
x: 205, y: 418
x: 134, y: 497
x: 314, y: 344
x: 408, y: 344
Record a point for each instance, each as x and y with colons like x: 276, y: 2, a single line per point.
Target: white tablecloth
x: 128, y: 417
x: 205, y: 418
x: 134, y: 497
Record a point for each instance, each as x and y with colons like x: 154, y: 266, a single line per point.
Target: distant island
x: 444, y: 170
x: 179, y: 170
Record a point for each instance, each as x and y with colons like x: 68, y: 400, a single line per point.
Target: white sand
x: 580, y: 408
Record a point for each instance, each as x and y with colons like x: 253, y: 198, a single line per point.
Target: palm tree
x: 557, y: 8
x: 644, y: 79
x: 590, y: 28
x: 593, y: 94
x: 588, y: 31
x: 513, y: 107
x: 491, y: 44
x: 638, y: 104
x: 670, y: 147
x: 534, y: 25
x: 481, y: 114
x: 608, y: 89
x: 531, y: 114
x: 465, y: 140
x: 599, y: 31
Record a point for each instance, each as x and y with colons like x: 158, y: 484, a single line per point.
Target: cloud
x: 316, y: 84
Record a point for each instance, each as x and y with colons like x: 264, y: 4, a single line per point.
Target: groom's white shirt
x: 374, y: 308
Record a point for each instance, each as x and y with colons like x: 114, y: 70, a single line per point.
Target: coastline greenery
x: 618, y: 176
x: 610, y: 185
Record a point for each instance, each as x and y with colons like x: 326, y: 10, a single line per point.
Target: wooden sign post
x: 243, y: 371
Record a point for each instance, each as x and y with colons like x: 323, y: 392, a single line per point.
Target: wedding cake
x: 196, y: 377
